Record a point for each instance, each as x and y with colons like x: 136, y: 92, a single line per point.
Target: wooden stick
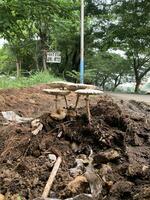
x: 51, y: 178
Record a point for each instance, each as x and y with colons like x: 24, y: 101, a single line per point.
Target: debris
x: 13, y: 117
x: 52, y: 158
x: 25, y: 165
x: 106, y: 156
x: 78, y: 170
x: 82, y: 197
x: 35, y: 123
x: 75, y: 184
x: 2, y: 197
x: 74, y: 147
x: 60, y: 114
x: 38, y: 125
x: 143, y: 193
x: 135, y: 169
x: 51, y: 178
x: 59, y: 134
x: 78, y: 197
x: 94, y: 180
x: 121, y: 189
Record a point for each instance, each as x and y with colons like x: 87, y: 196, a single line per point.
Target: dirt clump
x: 114, y: 147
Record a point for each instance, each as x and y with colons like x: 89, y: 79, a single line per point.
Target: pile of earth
x: 114, y: 149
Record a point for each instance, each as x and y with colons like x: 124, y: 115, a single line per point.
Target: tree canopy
x: 34, y: 27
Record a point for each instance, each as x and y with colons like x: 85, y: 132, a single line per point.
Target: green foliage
x: 89, y: 76
x: 126, y: 27
x: 7, y: 60
x: 34, y: 27
x: 41, y: 77
x: 108, y: 68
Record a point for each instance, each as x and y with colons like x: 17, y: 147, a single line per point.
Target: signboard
x: 54, y: 57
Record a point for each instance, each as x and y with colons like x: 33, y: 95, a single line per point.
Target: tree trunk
x: 37, y: 63
x: 18, y: 68
x: 36, y: 57
x: 137, y: 86
x: 117, y: 82
x: 44, y: 60
x: 103, y: 82
x: 43, y: 40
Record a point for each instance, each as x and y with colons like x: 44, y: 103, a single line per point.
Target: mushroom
x: 58, y: 84
x: 86, y: 93
x: 71, y: 86
x: 56, y: 93
x: 78, y: 86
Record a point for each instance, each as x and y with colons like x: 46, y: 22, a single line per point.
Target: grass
x: 40, y: 77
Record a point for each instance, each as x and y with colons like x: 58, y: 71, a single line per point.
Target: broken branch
x: 51, y: 178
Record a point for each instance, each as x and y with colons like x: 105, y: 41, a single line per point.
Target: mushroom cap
x: 58, y: 84
x: 71, y: 86
x: 57, y: 92
x: 78, y: 86
x: 88, y: 92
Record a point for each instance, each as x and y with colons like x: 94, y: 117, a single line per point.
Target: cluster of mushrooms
x: 63, y: 89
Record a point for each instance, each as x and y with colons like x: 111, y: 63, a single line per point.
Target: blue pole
x: 81, y: 71
x: 82, y: 44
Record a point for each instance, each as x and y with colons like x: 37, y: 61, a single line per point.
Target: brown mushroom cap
x: 57, y: 92
x: 88, y: 92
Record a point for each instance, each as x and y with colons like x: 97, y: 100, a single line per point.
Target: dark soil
x: 122, y: 128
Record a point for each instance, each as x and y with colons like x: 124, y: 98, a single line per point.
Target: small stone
x: 2, y: 197
x: 106, y: 156
x: 52, y: 158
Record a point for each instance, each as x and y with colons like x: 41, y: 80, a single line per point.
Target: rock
x: 121, y: 189
x: 78, y: 170
x: 95, y: 182
x: 136, y: 169
x: 105, y: 169
x: 75, y: 184
x: 52, y: 158
x: 2, y: 197
x: 143, y: 194
x: 106, y: 156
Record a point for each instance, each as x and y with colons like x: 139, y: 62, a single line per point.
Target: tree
x: 31, y: 22
x: 109, y: 68
x: 127, y: 27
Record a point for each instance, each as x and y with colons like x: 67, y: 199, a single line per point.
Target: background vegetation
x: 34, y: 27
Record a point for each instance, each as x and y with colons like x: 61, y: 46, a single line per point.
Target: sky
x: 2, y: 41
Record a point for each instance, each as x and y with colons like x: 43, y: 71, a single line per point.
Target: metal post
x: 82, y: 44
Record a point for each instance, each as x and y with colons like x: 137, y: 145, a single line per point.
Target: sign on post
x: 54, y: 57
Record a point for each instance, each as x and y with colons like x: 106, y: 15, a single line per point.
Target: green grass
x: 37, y: 78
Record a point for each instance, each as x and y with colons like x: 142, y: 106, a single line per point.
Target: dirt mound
x: 117, y: 142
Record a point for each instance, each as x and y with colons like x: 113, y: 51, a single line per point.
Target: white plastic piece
x: 13, y: 117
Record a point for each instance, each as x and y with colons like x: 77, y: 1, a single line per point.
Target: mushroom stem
x: 66, y: 101
x: 56, y: 100
x: 88, y: 107
x: 77, y: 100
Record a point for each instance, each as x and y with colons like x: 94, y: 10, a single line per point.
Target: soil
x: 118, y: 137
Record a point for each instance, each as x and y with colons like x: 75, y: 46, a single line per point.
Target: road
x: 137, y: 97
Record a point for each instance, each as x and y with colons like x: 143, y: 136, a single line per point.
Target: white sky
x: 2, y: 41
x: 118, y: 51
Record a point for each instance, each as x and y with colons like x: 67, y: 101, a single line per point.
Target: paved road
x: 137, y: 97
